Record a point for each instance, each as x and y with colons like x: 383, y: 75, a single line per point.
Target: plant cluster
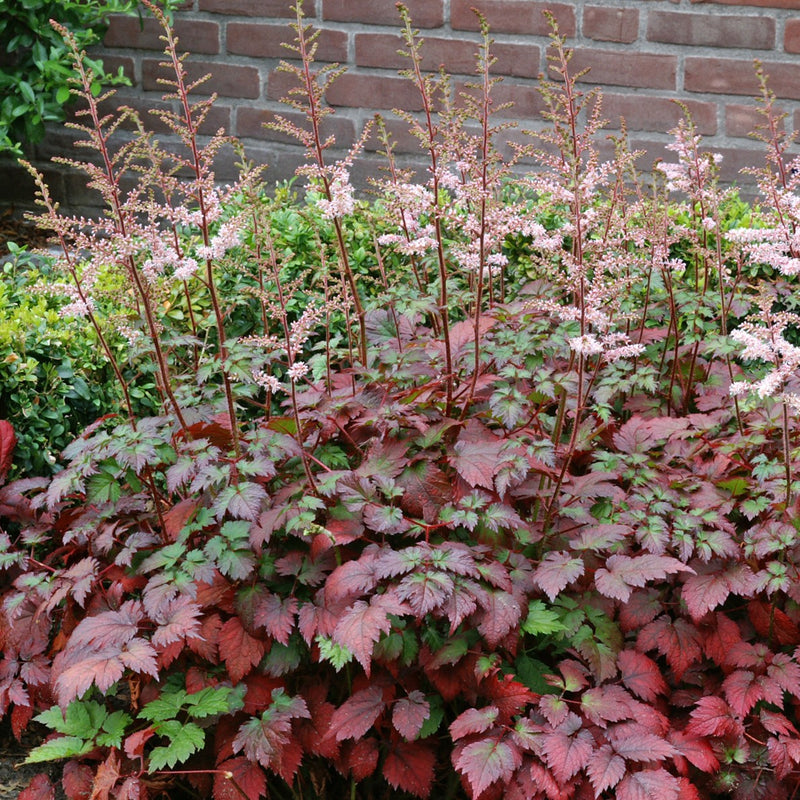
x: 492, y: 493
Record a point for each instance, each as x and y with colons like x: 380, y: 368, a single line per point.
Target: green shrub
x: 53, y: 381
x: 35, y: 72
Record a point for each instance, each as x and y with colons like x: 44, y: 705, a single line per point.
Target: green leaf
x: 434, y: 720
x: 63, y: 94
x: 542, y: 620
x: 114, y: 727
x: 214, y: 700
x: 336, y: 654
x: 185, y: 738
x: 62, y: 747
x: 166, y: 707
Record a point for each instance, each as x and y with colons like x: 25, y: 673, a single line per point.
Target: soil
x: 14, y: 775
x: 20, y: 231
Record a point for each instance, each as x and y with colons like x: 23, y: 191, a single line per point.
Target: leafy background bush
x: 468, y: 491
x: 35, y: 67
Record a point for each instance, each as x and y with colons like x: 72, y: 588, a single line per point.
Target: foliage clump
x: 479, y: 497
x: 36, y: 66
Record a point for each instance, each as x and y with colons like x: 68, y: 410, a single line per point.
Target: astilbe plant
x: 464, y: 507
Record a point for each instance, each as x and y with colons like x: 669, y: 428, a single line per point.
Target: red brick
x: 194, y: 35
x: 611, y: 24
x: 711, y: 30
x: 424, y: 13
x: 250, y: 124
x: 643, y: 113
x: 374, y: 91
x: 791, y: 37
x: 266, y: 41
x: 742, y: 120
x: 254, y: 8
x: 634, y: 70
x: 759, y: 3
x: 732, y: 76
x: 228, y: 80
x: 512, y: 16
x: 458, y: 56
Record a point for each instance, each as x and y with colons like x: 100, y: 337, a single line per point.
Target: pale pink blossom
x: 297, y: 370
x: 266, y: 381
x: 586, y: 345
x: 342, y: 202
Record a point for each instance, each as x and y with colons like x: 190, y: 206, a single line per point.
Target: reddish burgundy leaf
x: 106, y: 777
x: 478, y: 455
x: 409, y: 766
x: 544, y: 781
x: 39, y: 788
x: 742, y: 691
x: 678, y: 641
x: 315, y: 734
x: 425, y: 590
x: 237, y: 775
x: 103, y: 668
x: 409, y: 714
x: 276, y: 615
x: 352, y: 578
x: 622, y: 573
x: 508, y: 695
x: 109, y: 628
x: 648, y: 785
x: 361, y: 758
x: 784, y: 673
x: 486, y: 761
x: 266, y: 739
x: 134, y: 744
x: 643, y: 607
x: 697, y: 751
x: 605, y: 769
x: 573, y: 676
x: 721, y: 638
x: 132, y: 789
x: 176, y: 518
x: 358, y: 713
x: 771, y: 622
x: 712, y: 716
x: 607, y: 703
x: 704, y: 592
x: 427, y: 490
x: 784, y: 754
x: 556, y: 570
x: 20, y: 717
x: 361, y: 627
x: 239, y: 650
x: 554, y: 709
x: 635, y: 436
x: 177, y: 621
x: 8, y: 441
x: 473, y: 720
x: 77, y: 780
x: 502, y: 613
x: 635, y: 743
x: 641, y: 675
x: 567, y: 753
x: 777, y: 723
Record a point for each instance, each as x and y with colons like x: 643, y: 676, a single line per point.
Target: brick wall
x: 644, y: 54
